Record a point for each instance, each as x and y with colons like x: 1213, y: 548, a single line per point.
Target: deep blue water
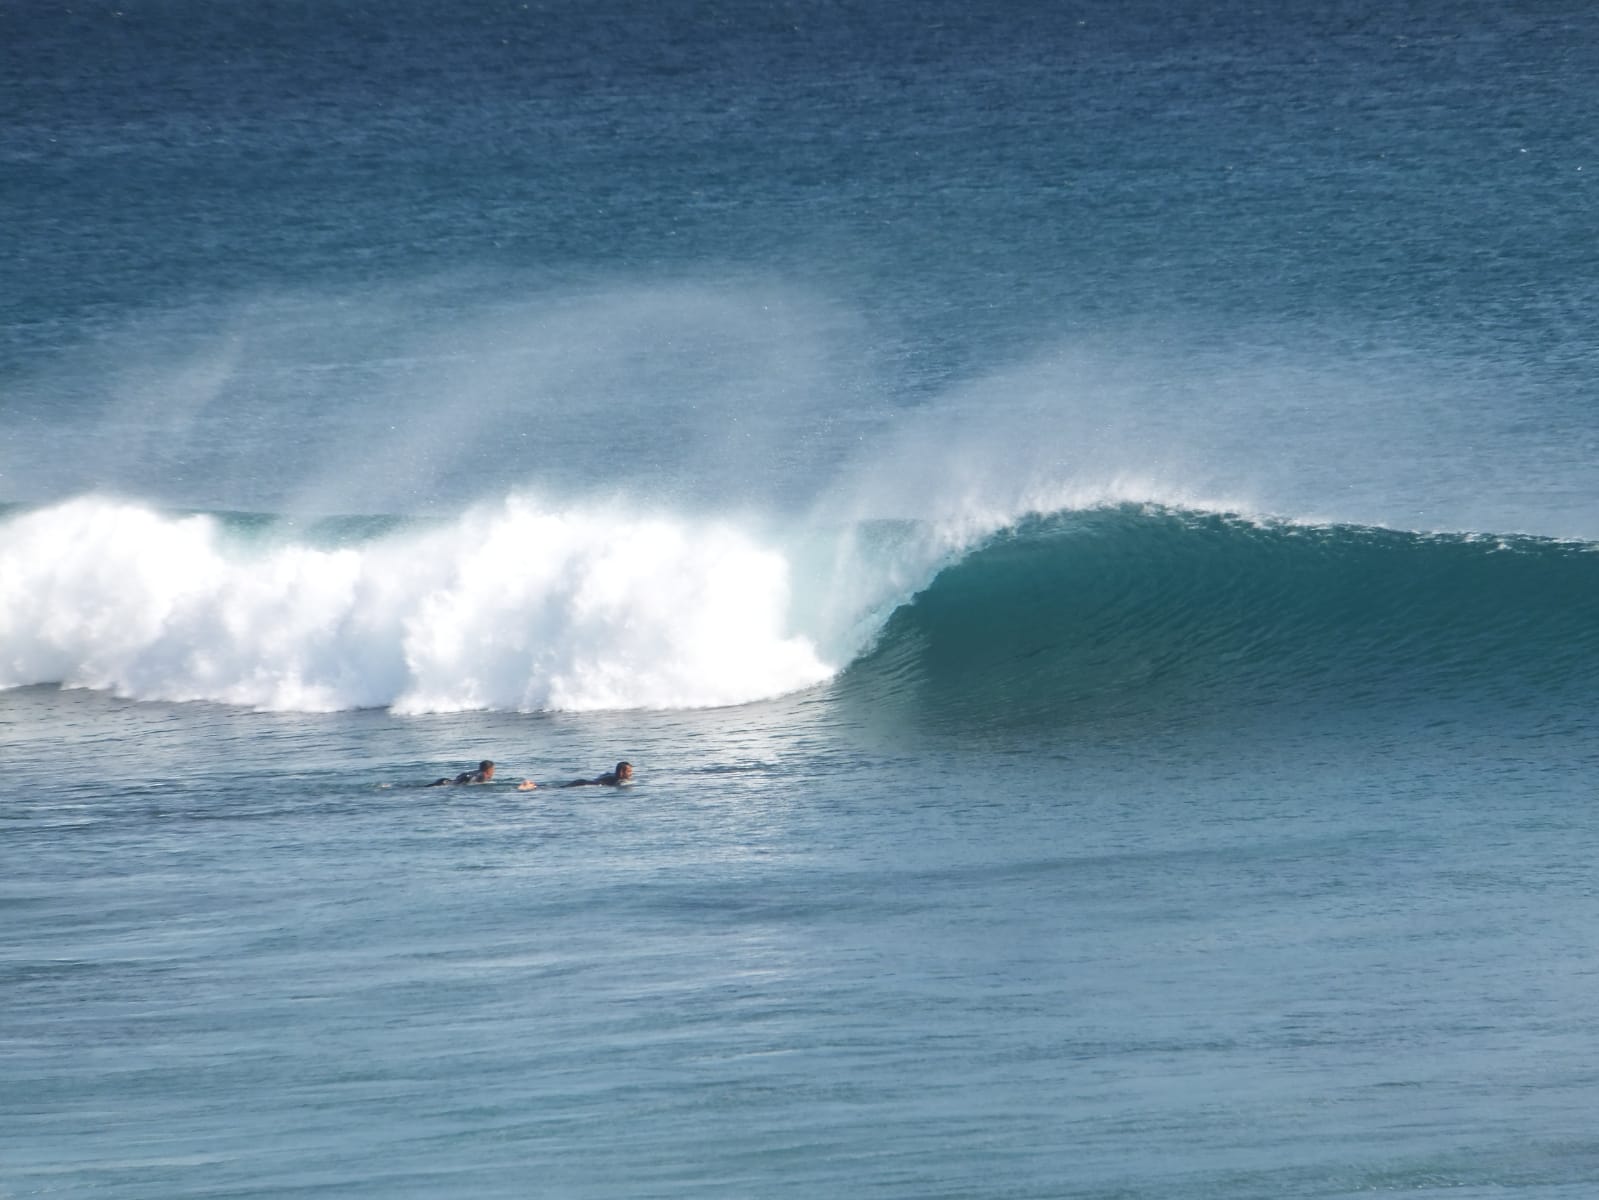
x: 1083, y: 517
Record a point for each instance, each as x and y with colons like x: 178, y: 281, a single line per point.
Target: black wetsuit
x: 463, y: 777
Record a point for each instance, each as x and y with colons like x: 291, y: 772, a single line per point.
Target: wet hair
x: 485, y: 764
x: 620, y: 765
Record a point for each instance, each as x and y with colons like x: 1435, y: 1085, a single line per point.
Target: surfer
x: 616, y: 778
x: 484, y: 773
x: 621, y: 775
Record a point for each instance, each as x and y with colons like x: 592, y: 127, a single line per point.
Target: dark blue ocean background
x: 1083, y: 516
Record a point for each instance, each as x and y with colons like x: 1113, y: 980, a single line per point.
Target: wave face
x: 1168, y: 617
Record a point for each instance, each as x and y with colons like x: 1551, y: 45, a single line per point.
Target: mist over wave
x: 722, y: 391
x: 427, y: 397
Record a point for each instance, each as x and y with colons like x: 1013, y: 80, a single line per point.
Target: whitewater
x: 521, y: 608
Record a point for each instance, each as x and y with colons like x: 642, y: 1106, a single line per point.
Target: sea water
x: 1082, y: 516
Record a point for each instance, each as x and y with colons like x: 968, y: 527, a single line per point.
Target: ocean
x: 1083, y: 517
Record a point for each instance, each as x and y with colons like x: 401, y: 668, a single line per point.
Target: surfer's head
x: 487, y: 767
x: 624, y: 770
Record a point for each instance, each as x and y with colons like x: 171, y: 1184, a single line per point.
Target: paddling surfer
x: 616, y: 778
x: 483, y: 774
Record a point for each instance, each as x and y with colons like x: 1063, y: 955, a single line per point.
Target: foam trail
x: 511, y: 606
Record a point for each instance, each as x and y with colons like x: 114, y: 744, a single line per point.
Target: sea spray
x: 429, y: 394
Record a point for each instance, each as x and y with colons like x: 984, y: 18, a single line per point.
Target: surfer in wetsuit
x: 484, y: 773
x: 616, y: 778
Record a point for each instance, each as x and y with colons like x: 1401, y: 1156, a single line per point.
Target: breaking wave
x: 1108, y: 612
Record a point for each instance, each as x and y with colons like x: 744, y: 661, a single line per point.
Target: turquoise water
x: 1082, y: 517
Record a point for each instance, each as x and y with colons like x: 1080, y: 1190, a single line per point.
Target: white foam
x: 515, y: 605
